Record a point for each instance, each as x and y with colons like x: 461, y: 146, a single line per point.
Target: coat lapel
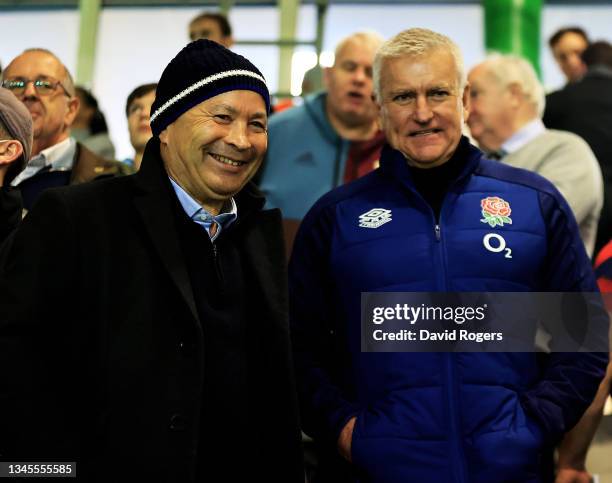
x: 153, y: 203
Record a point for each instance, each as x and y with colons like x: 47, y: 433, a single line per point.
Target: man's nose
x: 29, y: 91
x: 359, y: 76
x: 422, y: 111
x: 238, y: 136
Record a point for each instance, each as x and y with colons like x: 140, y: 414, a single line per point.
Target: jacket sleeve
x: 572, y: 167
x: 570, y: 379
x: 36, y: 284
x: 324, y: 407
x: 10, y: 211
x: 552, y: 116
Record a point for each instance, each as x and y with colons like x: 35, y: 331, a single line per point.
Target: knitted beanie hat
x: 17, y: 120
x: 203, y: 69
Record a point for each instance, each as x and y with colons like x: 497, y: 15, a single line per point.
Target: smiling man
x: 418, y: 224
x: 331, y: 139
x: 172, y: 361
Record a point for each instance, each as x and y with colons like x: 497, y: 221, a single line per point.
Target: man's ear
x: 516, y: 93
x: 163, y: 136
x: 73, y: 108
x: 327, y: 73
x: 228, y: 41
x: 10, y: 150
x: 467, y: 101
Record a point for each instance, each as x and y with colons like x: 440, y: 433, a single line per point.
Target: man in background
x: 212, y: 26
x: 507, y: 101
x: 567, y: 46
x: 332, y: 138
x: 15, y: 148
x: 44, y: 85
x: 138, y: 113
x: 585, y: 108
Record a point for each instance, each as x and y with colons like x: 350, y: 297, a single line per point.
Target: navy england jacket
x: 433, y: 417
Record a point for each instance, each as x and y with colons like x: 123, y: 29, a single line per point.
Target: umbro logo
x: 374, y: 218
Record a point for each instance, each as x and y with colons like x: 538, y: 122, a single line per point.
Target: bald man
x: 331, y: 139
x: 40, y: 80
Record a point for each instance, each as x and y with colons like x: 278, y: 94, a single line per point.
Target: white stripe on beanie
x: 203, y: 82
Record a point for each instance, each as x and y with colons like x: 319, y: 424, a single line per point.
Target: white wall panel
x: 56, y: 30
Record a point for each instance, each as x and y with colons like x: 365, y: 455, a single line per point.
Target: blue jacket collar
x: 393, y: 162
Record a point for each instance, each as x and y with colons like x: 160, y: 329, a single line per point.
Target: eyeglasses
x: 43, y: 86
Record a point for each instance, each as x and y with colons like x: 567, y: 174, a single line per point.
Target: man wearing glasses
x: 44, y: 85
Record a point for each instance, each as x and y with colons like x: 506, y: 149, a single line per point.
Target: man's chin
x: 357, y: 117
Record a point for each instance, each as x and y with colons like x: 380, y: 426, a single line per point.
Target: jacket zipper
x: 457, y: 457
x: 451, y: 386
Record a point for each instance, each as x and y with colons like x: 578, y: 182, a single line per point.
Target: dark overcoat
x: 102, y: 347
x: 585, y: 108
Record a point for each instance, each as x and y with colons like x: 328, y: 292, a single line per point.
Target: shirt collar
x: 202, y: 216
x: 59, y: 157
x: 527, y: 133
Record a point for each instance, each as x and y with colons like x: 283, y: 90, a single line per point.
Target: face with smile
x: 422, y: 106
x: 214, y: 148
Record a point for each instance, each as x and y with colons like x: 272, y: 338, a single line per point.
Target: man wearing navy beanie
x: 171, y: 362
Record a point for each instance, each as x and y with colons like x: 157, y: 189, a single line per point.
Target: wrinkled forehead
x: 570, y: 41
x: 235, y: 103
x: 482, y: 75
x: 146, y: 99
x: 36, y: 64
x: 357, y: 50
x: 436, y: 67
x: 209, y: 24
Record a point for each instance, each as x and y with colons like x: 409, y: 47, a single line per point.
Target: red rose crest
x: 495, y: 211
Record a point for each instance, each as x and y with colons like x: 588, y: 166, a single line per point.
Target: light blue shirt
x: 195, y: 212
x: 524, y: 135
x: 59, y: 157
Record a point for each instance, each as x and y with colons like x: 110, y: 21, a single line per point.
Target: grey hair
x: 512, y: 69
x: 368, y: 37
x: 417, y: 42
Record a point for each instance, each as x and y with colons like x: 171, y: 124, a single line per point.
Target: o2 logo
x: 497, y: 244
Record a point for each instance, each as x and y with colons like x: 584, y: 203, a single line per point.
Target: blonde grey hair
x: 417, y: 42
x: 368, y: 37
x: 510, y: 69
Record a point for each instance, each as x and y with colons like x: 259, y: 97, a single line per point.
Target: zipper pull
x: 437, y: 230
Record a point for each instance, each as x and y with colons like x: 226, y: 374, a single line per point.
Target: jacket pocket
x: 507, y: 455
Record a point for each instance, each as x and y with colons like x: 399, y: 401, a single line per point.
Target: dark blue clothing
x: 436, y: 417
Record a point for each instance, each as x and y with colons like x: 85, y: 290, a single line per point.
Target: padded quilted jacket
x: 436, y: 417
